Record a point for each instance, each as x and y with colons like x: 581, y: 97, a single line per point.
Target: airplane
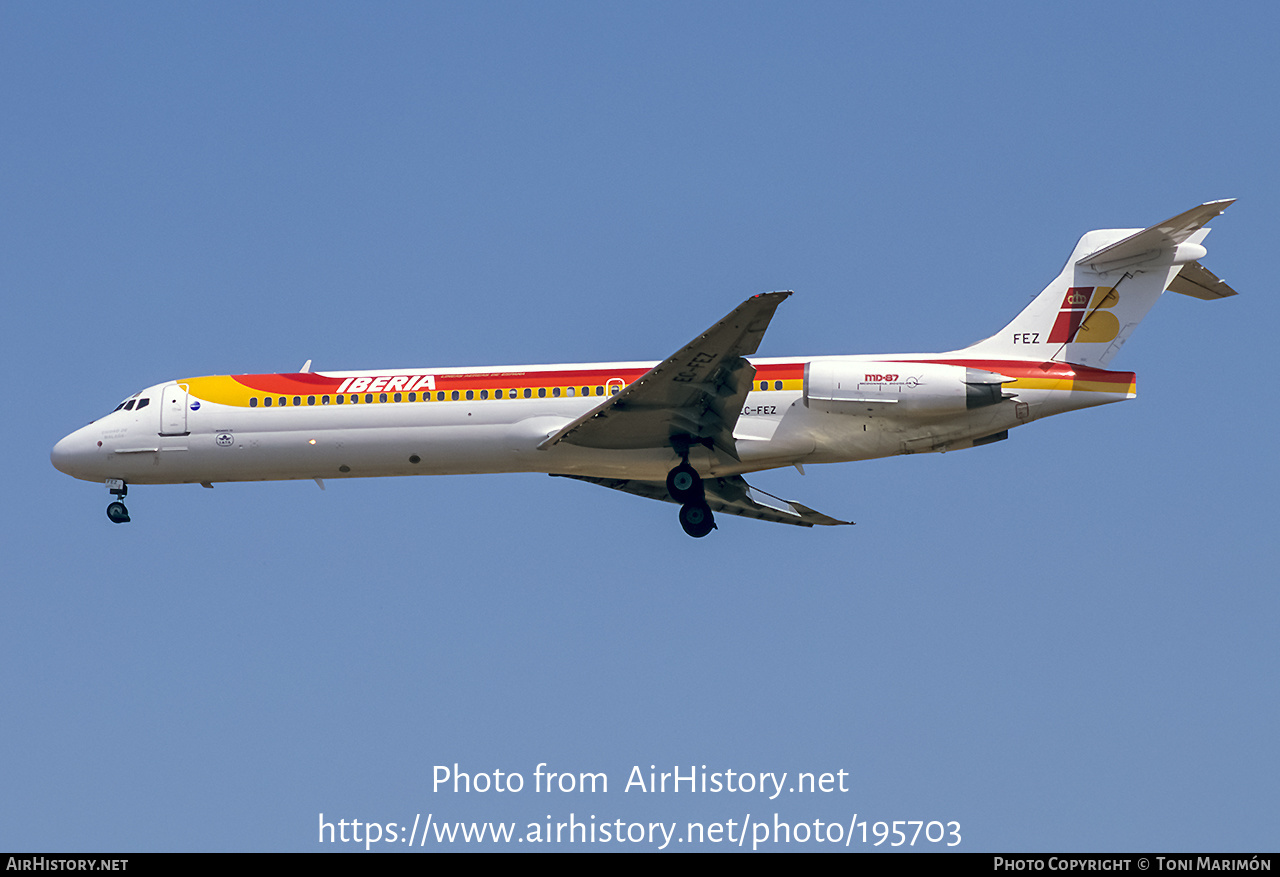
x: 685, y: 430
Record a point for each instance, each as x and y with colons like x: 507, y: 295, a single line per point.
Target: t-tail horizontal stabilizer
x: 1168, y: 241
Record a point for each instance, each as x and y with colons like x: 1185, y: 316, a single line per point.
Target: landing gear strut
x: 685, y: 487
x: 117, y: 511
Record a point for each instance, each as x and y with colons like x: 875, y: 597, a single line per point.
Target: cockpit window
x: 143, y: 403
x: 128, y: 406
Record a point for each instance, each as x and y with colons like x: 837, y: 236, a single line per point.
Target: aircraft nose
x: 63, y: 456
x: 71, y: 453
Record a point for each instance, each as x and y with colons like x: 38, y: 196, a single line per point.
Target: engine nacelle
x: 899, y: 389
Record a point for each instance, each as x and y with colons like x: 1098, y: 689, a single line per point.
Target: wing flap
x: 730, y: 496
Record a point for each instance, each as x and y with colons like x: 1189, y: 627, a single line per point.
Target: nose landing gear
x: 685, y: 487
x: 116, y: 511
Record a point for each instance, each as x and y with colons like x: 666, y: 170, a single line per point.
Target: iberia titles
x: 389, y: 383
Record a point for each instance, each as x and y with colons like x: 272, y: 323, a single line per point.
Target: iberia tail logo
x: 1085, y: 316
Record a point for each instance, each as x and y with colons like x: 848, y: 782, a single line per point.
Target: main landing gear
x: 117, y: 511
x: 685, y: 487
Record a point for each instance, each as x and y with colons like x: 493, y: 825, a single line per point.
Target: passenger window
x: 777, y: 385
x: 311, y: 400
x: 297, y: 400
x: 556, y: 392
x: 470, y: 395
x: 599, y: 391
x: 484, y: 394
x: 253, y: 402
x: 764, y: 385
x: 324, y: 400
x: 382, y: 397
x: 440, y: 396
x: 282, y: 401
x: 527, y: 392
x: 586, y: 391
x: 569, y: 391
x: 266, y: 402
x: 368, y: 398
x: 542, y: 392
x: 413, y: 397
x: 453, y: 396
x: 339, y: 398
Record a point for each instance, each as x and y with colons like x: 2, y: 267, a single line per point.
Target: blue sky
x: 1065, y: 641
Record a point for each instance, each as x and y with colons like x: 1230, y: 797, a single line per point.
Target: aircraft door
x: 173, y: 410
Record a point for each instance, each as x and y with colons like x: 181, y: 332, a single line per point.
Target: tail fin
x: 1112, y: 279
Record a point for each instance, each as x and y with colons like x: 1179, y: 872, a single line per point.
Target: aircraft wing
x: 694, y: 396
x: 730, y: 496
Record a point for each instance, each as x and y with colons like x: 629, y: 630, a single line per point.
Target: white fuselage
x: 273, y: 427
